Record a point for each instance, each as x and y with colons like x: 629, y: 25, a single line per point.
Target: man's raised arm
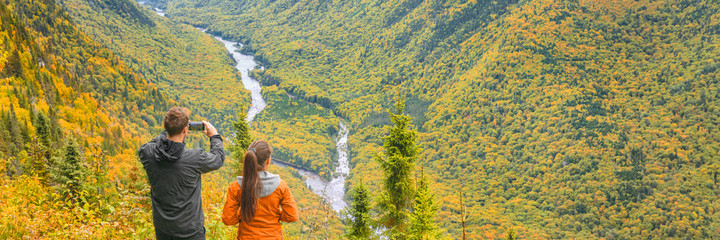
x: 216, y: 157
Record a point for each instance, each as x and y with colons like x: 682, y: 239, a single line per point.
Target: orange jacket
x: 271, y: 209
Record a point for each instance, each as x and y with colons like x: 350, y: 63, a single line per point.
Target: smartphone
x: 196, y: 126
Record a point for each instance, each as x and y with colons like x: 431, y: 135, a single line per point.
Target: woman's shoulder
x: 283, y: 184
x: 234, y: 185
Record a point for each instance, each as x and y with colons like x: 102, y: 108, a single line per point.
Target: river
x: 245, y: 64
x: 333, y: 192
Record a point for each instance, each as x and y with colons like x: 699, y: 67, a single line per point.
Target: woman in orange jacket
x: 259, y: 200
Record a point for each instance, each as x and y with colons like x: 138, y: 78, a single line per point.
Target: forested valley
x: 530, y: 119
x: 559, y: 119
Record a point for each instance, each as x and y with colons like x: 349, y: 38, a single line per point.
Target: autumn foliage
x: 557, y: 119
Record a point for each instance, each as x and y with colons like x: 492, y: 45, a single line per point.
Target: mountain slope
x: 570, y: 119
x: 615, y: 122
x: 186, y: 64
x: 59, y: 86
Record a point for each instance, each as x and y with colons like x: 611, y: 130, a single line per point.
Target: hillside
x: 569, y: 119
x: 195, y: 69
x: 184, y: 63
x: 64, y: 93
x: 72, y: 115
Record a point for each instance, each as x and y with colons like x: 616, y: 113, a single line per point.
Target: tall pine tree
x: 39, y: 149
x: 359, y: 213
x: 422, y: 219
x: 42, y: 128
x: 397, y: 165
x: 14, y: 142
x: 241, y: 140
x: 69, y: 172
x: 13, y: 127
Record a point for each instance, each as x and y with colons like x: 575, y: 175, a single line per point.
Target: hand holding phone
x: 196, y: 126
x: 209, y: 129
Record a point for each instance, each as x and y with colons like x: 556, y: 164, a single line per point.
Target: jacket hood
x: 167, y: 150
x: 270, y: 182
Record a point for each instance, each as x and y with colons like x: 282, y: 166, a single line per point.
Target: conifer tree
x: 13, y: 127
x: 42, y: 128
x: 359, y: 213
x: 39, y: 148
x: 397, y: 165
x: 422, y: 219
x: 241, y: 140
x: 14, y: 144
x: 69, y: 171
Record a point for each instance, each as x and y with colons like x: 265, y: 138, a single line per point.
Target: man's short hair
x: 176, y: 120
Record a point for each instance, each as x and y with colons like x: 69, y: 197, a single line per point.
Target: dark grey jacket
x: 175, y: 183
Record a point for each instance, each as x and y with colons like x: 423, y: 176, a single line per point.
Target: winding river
x: 333, y: 192
x: 245, y: 64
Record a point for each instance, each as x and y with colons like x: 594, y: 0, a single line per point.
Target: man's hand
x: 209, y: 129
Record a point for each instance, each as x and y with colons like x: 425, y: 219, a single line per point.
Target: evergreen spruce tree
x: 397, y: 165
x: 359, y: 213
x: 13, y: 127
x: 15, y: 146
x: 422, y: 219
x: 42, y: 128
x: 39, y: 148
x: 69, y: 171
x: 241, y: 140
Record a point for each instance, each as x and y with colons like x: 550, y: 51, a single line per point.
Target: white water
x: 157, y: 10
x: 334, y: 191
x: 245, y: 64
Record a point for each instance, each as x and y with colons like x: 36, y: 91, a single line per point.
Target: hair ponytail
x: 254, y: 161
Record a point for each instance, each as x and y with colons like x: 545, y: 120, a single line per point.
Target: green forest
x: 527, y: 119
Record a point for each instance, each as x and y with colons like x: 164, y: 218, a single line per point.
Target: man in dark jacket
x: 174, y: 176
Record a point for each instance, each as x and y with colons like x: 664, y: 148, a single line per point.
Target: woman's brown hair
x: 254, y: 161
